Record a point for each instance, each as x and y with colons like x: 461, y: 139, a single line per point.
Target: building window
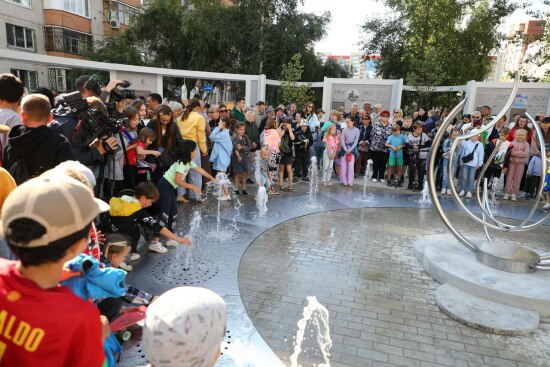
x: 64, y: 40
x: 123, y: 13
x: 58, y: 79
x: 25, y: 3
x: 29, y: 78
x: 20, y: 37
x: 79, y: 7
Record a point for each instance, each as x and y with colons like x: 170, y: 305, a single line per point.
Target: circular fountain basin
x: 508, y: 257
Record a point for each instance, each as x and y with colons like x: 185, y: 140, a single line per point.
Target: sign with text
x: 532, y: 100
x: 347, y: 94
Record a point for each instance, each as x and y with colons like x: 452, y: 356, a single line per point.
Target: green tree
x: 251, y: 37
x: 436, y: 42
x: 291, y: 90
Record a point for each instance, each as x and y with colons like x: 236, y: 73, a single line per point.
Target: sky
x: 343, y: 33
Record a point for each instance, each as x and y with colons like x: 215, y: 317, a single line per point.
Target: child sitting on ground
x: 221, y: 152
x: 185, y: 327
x: 396, y: 142
x: 262, y: 173
x: 174, y: 177
x: 514, y: 164
x: 114, y: 250
x: 127, y: 215
x: 46, y: 222
x: 241, y: 149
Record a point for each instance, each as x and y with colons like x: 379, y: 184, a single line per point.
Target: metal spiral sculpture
x: 499, y: 255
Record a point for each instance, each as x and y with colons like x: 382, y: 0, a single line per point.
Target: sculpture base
x: 508, y: 257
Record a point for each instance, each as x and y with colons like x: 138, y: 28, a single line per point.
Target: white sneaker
x: 374, y: 180
x: 224, y: 197
x: 443, y: 191
x: 448, y: 191
x: 546, y: 206
x: 468, y: 195
x: 172, y: 243
x: 382, y: 180
x: 134, y: 256
x: 125, y: 266
x: 513, y: 198
x: 506, y: 197
x: 461, y: 193
x: 158, y: 247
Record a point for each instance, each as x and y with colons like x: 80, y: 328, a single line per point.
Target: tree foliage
x: 251, y: 37
x: 436, y: 42
x: 291, y: 91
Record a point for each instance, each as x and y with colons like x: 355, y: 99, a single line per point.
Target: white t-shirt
x: 9, y: 118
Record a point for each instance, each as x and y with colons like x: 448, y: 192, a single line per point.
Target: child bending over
x: 262, y: 173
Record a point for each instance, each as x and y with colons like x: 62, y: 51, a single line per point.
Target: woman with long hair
x: 192, y: 126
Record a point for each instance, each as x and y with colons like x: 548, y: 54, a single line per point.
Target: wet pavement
x: 358, y: 262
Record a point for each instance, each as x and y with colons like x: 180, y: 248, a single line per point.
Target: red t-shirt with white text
x: 45, y: 327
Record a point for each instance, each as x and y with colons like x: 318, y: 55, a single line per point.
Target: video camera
x: 96, y: 122
x: 118, y: 94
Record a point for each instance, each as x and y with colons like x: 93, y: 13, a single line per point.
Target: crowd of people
x: 145, y: 156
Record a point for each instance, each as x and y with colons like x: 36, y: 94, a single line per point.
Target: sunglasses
x: 396, y: 112
x: 223, y: 110
x: 366, y: 118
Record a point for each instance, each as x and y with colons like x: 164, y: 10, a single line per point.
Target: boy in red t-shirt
x: 46, y: 222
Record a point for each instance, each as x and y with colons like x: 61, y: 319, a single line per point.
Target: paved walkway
x: 360, y: 265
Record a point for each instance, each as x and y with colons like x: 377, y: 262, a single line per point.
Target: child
x: 329, y: 154
x: 396, y: 142
x: 262, y: 174
x: 533, y: 175
x: 514, y: 164
x: 130, y: 134
x: 185, y: 327
x: 472, y: 160
x: 46, y: 222
x: 127, y: 214
x: 445, y: 166
x: 304, y: 139
x: 406, y: 130
x: 286, y: 153
x: 115, y: 249
x: 221, y: 152
x: 241, y: 149
x: 418, y: 146
x: 146, y: 137
x: 495, y: 168
x: 174, y: 177
x: 349, y: 139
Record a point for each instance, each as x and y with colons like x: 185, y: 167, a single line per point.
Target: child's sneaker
x: 461, y: 193
x: 157, y: 247
x: 133, y: 256
x: 382, y: 180
x: 172, y: 243
x: 506, y: 197
x: 468, y: 195
x: 245, y: 193
x: 237, y: 192
x: 443, y: 191
x: 395, y: 182
x: 388, y: 184
x: 513, y: 198
x: 546, y: 206
x: 125, y: 266
x: 448, y: 191
x: 224, y: 197
x: 305, y: 179
x: 374, y: 180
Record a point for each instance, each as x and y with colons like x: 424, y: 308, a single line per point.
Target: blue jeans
x: 468, y: 176
x: 444, y: 167
x: 264, y: 180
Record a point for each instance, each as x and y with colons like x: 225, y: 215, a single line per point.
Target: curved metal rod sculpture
x: 510, y: 257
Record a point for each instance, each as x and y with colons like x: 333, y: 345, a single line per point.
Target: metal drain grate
x: 199, y: 272
x: 134, y: 354
x: 226, y: 341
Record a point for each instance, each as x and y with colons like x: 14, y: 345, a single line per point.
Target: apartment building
x: 65, y: 28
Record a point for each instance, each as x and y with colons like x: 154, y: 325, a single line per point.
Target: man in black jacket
x: 32, y: 147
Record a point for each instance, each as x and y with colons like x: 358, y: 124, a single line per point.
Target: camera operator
x: 85, y: 149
